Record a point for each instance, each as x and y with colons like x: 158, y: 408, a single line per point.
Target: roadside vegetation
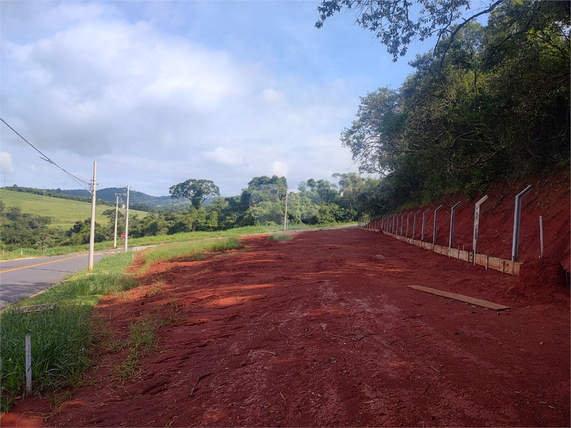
x: 154, y: 240
x: 259, y: 209
x: 194, y: 250
x: 280, y: 237
x: 64, y: 332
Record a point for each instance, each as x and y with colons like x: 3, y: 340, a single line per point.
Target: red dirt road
x: 323, y: 331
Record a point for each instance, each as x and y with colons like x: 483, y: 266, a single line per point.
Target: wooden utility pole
x: 116, y: 214
x: 92, y: 234
x: 285, y: 215
x: 127, y: 221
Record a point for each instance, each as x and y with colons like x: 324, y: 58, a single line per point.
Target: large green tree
x: 496, y: 105
x: 197, y: 191
x: 397, y: 23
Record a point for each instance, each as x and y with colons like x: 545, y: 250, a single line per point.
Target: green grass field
x: 64, y: 212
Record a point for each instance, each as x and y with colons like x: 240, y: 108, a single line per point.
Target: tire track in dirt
x: 319, y: 331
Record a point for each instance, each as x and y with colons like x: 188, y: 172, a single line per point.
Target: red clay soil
x: 323, y: 331
x: 549, y: 198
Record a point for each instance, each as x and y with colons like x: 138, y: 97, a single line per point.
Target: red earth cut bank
x: 323, y: 330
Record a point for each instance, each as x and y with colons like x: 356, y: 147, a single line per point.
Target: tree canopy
x: 497, y: 105
x: 397, y: 23
x: 197, y: 191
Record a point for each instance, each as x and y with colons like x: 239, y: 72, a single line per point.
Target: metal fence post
x: 540, y: 237
x: 477, y: 225
x: 401, y: 223
x: 423, y: 224
x: 517, y: 220
x: 435, y: 224
x: 414, y: 225
x: 407, y: 222
x: 28, y: 362
x: 452, y: 214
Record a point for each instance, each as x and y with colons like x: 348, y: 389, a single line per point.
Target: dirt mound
x: 541, y: 278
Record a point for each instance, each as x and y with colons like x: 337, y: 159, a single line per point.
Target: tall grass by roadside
x: 193, y: 250
x: 280, y: 237
x: 59, y: 348
x: 238, y: 232
x: 62, y: 337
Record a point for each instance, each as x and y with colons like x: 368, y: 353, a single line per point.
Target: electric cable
x: 47, y: 159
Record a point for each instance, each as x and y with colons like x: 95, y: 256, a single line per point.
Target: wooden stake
x: 28, y: 365
x: 541, y: 237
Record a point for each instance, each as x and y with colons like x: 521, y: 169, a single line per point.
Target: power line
x: 47, y: 159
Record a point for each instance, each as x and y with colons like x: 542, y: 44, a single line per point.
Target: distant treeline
x: 263, y: 202
x: 138, y: 200
x: 58, y: 193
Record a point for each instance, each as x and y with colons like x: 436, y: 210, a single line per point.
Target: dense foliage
x: 196, y: 191
x: 58, y: 193
x: 397, y: 23
x: 262, y: 202
x: 496, y: 105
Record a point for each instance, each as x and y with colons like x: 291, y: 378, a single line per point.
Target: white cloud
x: 6, y: 163
x: 279, y: 169
x: 272, y: 96
x: 156, y: 107
x: 224, y: 156
x: 101, y: 84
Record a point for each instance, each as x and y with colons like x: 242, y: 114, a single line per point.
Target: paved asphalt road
x: 24, y: 277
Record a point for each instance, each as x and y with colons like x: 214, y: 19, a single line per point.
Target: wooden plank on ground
x: 461, y: 298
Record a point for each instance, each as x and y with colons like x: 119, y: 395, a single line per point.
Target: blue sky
x: 158, y: 92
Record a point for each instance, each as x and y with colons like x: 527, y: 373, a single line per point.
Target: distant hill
x: 137, y: 200
x: 64, y: 212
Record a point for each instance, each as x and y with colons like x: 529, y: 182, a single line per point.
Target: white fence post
x: 423, y: 224
x: 435, y: 224
x: 28, y: 365
x: 477, y: 224
x: 517, y: 220
x: 452, y: 215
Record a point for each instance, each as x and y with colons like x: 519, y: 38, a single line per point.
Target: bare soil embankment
x: 324, y: 331
x: 549, y: 198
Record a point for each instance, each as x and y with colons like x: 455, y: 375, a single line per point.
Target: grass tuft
x: 143, y: 338
x: 280, y: 237
x: 186, y: 251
